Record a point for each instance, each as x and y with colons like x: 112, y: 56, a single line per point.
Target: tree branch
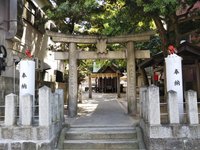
x: 187, y: 12
x: 161, y: 31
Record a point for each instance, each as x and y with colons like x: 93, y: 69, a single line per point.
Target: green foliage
x: 70, y: 12
x: 154, y: 45
x: 84, y: 69
x: 104, y: 17
x: 116, y: 17
x: 120, y: 63
x: 162, y: 7
x: 172, y: 28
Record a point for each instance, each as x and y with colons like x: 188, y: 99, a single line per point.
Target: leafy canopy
x: 104, y: 17
x: 115, y: 17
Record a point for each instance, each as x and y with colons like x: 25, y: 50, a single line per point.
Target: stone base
x: 172, y: 144
x: 29, y: 137
x: 169, y: 137
x: 27, y: 145
x: 28, y: 133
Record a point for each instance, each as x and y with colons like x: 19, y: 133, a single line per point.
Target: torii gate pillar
x: 73, y: 80
x: 131, y: 79
x: 102, y: 53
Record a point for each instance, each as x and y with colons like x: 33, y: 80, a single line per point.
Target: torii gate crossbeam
x: 101, y: 42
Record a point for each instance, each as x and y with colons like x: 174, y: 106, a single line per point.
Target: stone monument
x: 174, y: 79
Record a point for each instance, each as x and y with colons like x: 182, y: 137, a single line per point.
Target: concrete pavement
x: 102, y: 110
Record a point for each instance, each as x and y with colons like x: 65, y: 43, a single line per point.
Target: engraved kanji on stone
x: 177, y: 83
x: 176, y: 71
x: 24, y: 86
x: 24, y: 75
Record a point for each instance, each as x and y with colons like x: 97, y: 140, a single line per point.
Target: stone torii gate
x: 101, y: 42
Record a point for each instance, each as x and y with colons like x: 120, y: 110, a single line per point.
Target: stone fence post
x: 153, y: 105
x: 53, y: 109
x: 56, y: 102
x: 10, y: 109
x: 173, y: 112
x: 192, y: 108
x: 143, y: 101
x: 61, y: 103
x: 27, y: 109
x: 45, y: 106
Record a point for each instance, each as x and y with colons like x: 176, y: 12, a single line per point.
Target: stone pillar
x: 3, y: 18
x: 192, y: 109
x: 27, y: 79
x: 90, y: 87
x: 53, y: 107
x: 174, y: 79
x: 118, y: 86
x: 27, y: 109
x: 153, y: 105
x: 146, y: 106
x: 143, y: 101
x: 10, y: 109
x: 73, y: 82
x: 44, y: 106
x: 61, y: 103
x: 131, y: 79
x: 57, y: 117
x: 173, y: 112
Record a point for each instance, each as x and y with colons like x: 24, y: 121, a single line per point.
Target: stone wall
x: 168, y: 137
x: 31, y: 133
x: 29, y: 138
x: 174, y: 134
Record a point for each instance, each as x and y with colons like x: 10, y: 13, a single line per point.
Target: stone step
x: 101, y: 138
x: 100, y: 133
x: 101, y: 144
x: 97, y: 138
x: 79, y: 127
x: 103, y: 149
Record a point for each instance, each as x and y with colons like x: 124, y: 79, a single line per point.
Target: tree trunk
x: 162, y: 33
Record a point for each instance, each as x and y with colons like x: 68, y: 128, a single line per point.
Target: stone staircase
x: 101, y: 138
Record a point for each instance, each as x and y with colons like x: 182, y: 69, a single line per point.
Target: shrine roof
x: 108, y: 69
x: 187, y: 51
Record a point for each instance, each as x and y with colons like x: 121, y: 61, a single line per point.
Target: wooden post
x: 90, y: 87
x: 101, y: 85
x: 198, y: 78
x: 118, y: 86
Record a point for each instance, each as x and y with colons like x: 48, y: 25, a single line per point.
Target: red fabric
x: 28, y: 53
x: 171, y: 49
x: 155, y: 77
